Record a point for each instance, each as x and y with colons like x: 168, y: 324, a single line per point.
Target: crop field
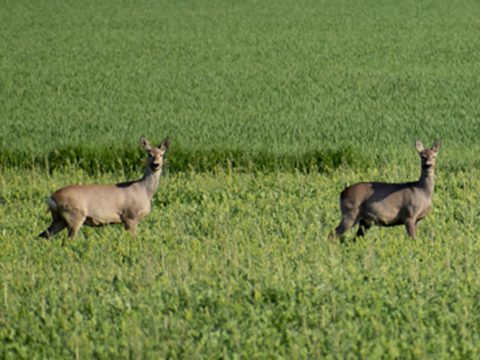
x: 272, y: 108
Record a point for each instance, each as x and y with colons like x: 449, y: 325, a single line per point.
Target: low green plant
x: 239, y: 265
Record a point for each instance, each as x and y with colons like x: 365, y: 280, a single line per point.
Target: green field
x: 272, y: 108
x: 264, y: 83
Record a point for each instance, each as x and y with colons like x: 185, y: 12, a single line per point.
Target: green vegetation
x: 272, y: 108
x: 276, y: 79
x: 239, y: 264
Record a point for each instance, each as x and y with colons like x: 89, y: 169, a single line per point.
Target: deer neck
x: 150, y: 181
x: 427, y: 180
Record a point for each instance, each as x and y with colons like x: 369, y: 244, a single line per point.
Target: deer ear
x: 165, y: 144
x: 419, y: 146
x: 145, y: 144
x: 436, y: 145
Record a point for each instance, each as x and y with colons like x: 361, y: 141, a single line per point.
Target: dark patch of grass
x: 320, y: 160
x: 112, y: 158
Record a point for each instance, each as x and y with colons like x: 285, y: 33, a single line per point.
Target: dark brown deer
x: 385, y: 204
x: 96, y: 205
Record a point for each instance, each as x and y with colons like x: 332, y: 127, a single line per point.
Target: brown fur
x: 384, y: 204
x: 96, y: 205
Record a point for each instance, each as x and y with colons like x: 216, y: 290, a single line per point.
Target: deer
x: 387, y: 204
x: 97, y: 205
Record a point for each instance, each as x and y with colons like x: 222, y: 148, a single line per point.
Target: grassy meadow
x: 272, y: 108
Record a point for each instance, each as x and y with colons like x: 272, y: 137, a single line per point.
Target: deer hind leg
x: 74, y: 220
x: 58, y: 224
x: 54, y: 228
x: 346, y: 223
x: 363, y: 227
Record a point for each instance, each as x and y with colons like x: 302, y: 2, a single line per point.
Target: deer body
x: 96, y: 205
x: 385, y: 204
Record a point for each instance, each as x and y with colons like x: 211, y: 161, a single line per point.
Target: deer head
x: 155, y: 154
x: 428, y: 155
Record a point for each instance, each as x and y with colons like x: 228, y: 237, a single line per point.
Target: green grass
x: 239, y: 265
x: 262, y: 81
x: 272, y: 108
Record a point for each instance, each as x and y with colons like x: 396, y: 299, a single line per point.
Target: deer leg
x: 345, y: 224
x: 55, y: 227
x: 73, y: 230
x: 75, y: 220
x: 131, y: 225
x: 411, y: 225
x: 363, y: 227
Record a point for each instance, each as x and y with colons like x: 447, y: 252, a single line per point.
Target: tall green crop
x: 262, y: 86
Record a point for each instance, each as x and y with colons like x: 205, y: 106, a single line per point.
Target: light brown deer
x: 385, y: 204
x: 96, y: 205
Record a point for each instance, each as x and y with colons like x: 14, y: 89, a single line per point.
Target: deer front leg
x: 411, y: 225
x: 131, y: 225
